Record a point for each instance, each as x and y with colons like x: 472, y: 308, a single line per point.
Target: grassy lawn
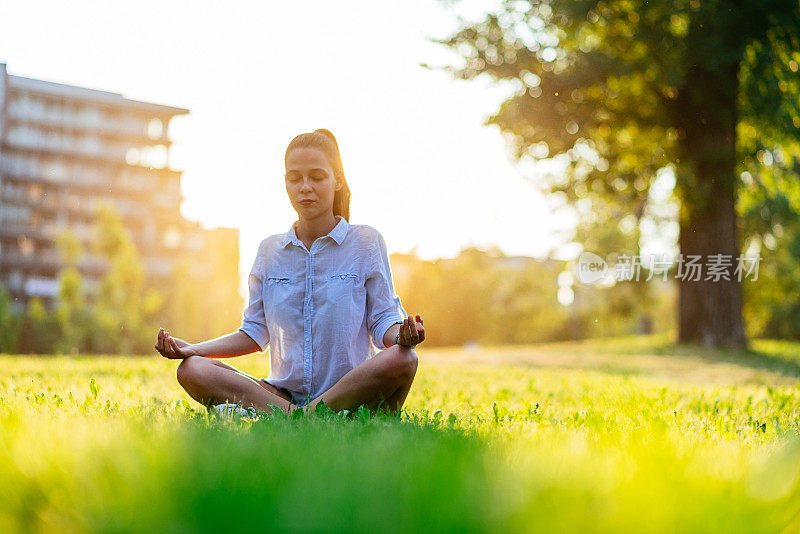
x: 603, y: 436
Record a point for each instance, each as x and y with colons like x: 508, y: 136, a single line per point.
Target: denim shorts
x: 300, y: 403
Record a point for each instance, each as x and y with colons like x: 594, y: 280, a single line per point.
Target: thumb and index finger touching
x: 165, y: 344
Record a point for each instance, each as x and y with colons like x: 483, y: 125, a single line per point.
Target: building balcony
x: 136, y: 190
x: 149, y: 244
x: 19, y: 159
x: 97, y: 155
x: 133, y: 136
x: 83, y: 208
x: 49, y: 262
x: 46, y: 233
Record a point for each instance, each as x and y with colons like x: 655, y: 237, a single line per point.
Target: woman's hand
x: 172, y: 347
x: 411, y: 332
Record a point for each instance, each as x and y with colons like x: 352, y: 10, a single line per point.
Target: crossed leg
x: 383, y: 381
x: 210, y: 381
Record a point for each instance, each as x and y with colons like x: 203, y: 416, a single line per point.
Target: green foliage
x: 599, y: 437
x: 769, y: 167
x: 125, y: 309
x: 10, y: 324
x: 492, y: 299
x: 620, y: 91
x: 71, y: 310
x: 483, y: 297
x: 771, y: 214
x: 39, y: 333
x: 122, y: 313
x: 601, y: 84
x: 185, y: 306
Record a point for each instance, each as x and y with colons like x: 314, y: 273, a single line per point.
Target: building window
x: 172, y: 238
x: 26, y: 246
x: 155, y: 129
x: 132, y: 156
x: 155, y: 156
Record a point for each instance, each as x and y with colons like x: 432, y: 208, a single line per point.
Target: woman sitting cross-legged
x: 317, y: 294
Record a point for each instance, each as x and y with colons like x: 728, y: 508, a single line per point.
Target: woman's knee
x: 402, y: 362
x: 192, y: 370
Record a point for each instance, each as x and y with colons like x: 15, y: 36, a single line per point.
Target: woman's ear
x: 338, y: 184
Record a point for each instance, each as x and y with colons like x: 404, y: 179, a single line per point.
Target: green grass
x: 603, y: 436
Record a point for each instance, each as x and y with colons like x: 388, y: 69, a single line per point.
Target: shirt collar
x: 337, y: 234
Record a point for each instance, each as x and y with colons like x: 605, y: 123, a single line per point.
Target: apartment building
x: 63, y: 150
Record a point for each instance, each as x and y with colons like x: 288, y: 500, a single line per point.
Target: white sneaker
x: 228, y: 410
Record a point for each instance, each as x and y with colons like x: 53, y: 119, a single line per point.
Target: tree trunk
x: 710, y: 312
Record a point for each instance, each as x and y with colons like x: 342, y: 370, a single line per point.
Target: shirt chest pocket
x: 280, y: 296
x: 343, y: 287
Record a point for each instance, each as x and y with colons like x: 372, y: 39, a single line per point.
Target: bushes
x: 121, y: 316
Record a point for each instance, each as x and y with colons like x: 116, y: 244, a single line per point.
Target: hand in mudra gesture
x: 411, y: 332
x: 173, y: 347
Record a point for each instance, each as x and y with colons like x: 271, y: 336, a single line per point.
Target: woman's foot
x: 227, y: 410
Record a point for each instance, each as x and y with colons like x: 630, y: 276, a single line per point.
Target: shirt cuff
x: 256, y: 335
x: 382, y: 327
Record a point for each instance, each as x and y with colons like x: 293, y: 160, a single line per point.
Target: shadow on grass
x: 756, y: 358
x: 779, y: 357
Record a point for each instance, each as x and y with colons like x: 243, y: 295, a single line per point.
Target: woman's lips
x: 306, y: 202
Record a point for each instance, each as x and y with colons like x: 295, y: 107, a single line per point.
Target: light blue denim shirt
x: 317, y: 309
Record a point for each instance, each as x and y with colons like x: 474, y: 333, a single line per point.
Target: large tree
x: 622, y: 89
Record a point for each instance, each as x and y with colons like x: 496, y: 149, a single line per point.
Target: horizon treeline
x: 478, y: 297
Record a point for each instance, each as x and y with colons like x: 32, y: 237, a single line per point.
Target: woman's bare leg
x: 382, y: 381
x: 210, y: 382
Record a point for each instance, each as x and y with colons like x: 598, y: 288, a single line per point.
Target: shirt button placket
x: 307, y: 360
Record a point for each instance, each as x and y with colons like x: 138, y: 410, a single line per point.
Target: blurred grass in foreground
x: 606, y: 436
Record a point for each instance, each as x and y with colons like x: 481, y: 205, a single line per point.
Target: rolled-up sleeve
x: 254, y: 323
x: 383, y: 305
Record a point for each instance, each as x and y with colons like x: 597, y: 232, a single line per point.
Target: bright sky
x: 421, y: 167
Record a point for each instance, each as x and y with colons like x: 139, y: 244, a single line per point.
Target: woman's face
x: 310, y: 182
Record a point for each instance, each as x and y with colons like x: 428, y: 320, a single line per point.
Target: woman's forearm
x: 390, y: 335
x: 235, y: 344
